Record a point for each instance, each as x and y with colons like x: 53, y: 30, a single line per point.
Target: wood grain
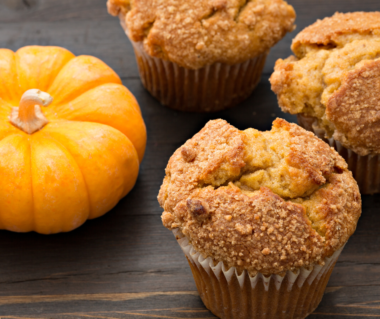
x: 8, y: 300
x: 126, y: 264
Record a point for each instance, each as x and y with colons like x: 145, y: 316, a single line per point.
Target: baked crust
x: 333, y: 31
x: 355, y: 109
x: 225, y: 190
x: 334, y: 78
x: 198, y: 33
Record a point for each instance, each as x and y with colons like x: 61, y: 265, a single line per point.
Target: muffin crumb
x: 198, y: 209
x: 188, y: 154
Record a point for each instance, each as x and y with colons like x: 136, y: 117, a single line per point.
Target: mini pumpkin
x: 71, y: 139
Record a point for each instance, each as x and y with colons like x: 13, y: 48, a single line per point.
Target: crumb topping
x: 336, y: 31
x: 195, y: 34
x: 261, y: 201
x: 330, y: 54
x: 354, y: 108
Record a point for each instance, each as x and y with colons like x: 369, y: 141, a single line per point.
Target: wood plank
x: 341, y: 302
x: 26, y: 11
x: 10, y: 300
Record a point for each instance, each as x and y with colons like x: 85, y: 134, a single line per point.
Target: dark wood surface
x: 126, y: 264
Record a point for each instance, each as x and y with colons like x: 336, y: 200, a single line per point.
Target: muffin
x: 261, y: 217
x: 202, y: 56
x: 333, y: 85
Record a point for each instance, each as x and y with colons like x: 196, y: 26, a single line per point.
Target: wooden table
x: 126, y: 264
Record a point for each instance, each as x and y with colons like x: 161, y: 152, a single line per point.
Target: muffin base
x: 208, y: 89
x: 365, y: 169
x: 230, y: 295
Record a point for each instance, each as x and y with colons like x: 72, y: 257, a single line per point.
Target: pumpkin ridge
x: 77, y: 96
x: 31, y: 186
x: 52, y: 218
x: 63, y: 65
x: 111, y: 85
x: 9, y: 89
x: 126, y: 177
x: 101, y: 72
x: 42, y: 51
x: 61, y: 145
x: 118, y: 119
x: 2, y: 224
x: 65, y: 102
x: 62, y: 120
x: 18, y: 181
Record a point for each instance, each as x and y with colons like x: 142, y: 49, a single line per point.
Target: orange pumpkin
x: 71, y: 139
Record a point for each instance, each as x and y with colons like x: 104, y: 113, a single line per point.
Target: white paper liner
x: 230, y: 295
x: 365, y: 169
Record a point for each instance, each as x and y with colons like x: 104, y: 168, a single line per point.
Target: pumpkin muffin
x: 203, y: 55
x: 333, y: 85
x: 261, y: 216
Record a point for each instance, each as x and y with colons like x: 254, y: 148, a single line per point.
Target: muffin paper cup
x: 209, y: 89
x: 365, y: 169
x: 229, y: 294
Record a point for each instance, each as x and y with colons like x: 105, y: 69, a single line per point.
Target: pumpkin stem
x: 28, y: 116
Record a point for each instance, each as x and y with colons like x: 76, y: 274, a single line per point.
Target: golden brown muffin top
x: 336, y: 30
x: 335, y: 78
x: 261, y: 201
x: 198, y: 33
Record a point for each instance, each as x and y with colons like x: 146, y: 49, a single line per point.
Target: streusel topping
x: 198, y: 33
x: 261, y: 201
